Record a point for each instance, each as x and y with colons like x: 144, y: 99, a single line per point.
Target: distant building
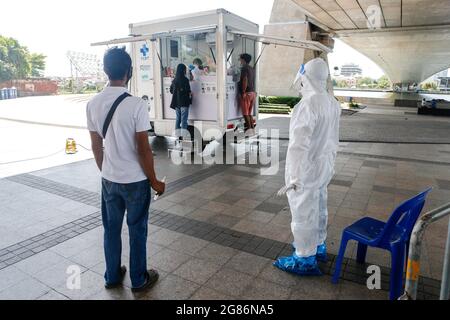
x: 442, y: 74
x: 350, y: 70
x: 444, y: 83
x: 32, y: 86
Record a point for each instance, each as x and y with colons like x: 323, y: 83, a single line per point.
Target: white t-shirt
x: 197, y: 73
x: 120, y: 157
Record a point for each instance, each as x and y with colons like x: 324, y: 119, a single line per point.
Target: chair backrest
x: 405, y: 217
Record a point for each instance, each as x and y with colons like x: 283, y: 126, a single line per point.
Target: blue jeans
x: 182, y: 118
x: 135, y: 199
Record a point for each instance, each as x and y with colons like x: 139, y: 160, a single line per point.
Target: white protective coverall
x: 313, y: 145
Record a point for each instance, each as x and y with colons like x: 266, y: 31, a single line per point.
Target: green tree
x: 341, y: 84
x: 16, y: 62
x: 384, y: 82
x: 37, y: 62
x: 364, y: 82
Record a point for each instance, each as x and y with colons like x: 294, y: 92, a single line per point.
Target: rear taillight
x: 230, y: 126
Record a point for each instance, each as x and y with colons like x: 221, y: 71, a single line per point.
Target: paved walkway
x: 214, y: 235
x: 217, y: 230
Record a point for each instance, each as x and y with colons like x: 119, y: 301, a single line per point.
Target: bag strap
x: 112, y: 111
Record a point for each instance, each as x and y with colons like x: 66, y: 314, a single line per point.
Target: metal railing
x: 413, y: 268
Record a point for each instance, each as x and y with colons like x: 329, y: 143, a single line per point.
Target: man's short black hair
x: 116, y: 63
x: 246, y: 57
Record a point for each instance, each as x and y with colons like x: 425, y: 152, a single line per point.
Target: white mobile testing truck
x: 217, y: 37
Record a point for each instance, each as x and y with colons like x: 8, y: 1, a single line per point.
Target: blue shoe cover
x: 300, y: 266
x: 322, y: 253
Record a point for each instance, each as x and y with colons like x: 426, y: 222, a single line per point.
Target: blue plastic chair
x: 393, y: 235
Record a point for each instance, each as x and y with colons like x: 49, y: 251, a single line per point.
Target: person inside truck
x: 197, y: 69
x: 246, y: 87
x: 181, y: 100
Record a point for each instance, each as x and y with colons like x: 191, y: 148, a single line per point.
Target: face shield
x: 298, y: 82
x: 312, y: 77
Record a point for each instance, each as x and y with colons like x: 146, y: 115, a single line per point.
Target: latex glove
x: 285, y: 189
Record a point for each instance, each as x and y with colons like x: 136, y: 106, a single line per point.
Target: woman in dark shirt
x: 181, y: 99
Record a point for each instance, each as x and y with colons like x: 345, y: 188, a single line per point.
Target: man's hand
x: 159, y: 187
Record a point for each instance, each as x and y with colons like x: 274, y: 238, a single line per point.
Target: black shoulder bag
x: 112, y: 111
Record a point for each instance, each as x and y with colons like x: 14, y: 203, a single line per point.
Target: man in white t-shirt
x: 125, y: 159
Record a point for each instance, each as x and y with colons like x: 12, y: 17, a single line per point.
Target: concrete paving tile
x: 121, y: 293
x: 153, y: 249
x: 350, y: 213
x: 161, y: 204
x: 164, y: 237
x: 261, y: 289
x: 273, y: 274
x: 228, y: 199
x: 72, y: 247
x: 53, y: 295
x: 216, y: 253
x: 168, y: 260
x: 230, y: 282
x: 355, y: 205
x: 89, y: 257
x: 197, y: 270
x: 315, y: 288
x: 211, y: 194
x: 201, y: 215
x: 248, y: 263
x: 248, y: 203
x: 172, y: 288
x: 56, y: 275
x: 177, y: 197
x: 261, y: 216
x: 10, y: 276
x: 237, y: 211
x: 282, y: 220
x: 91, y: 284
x: 188, y: 245
x: 352, y: 291
x: 216, y: 207
x: 378, y: 257
x: 223, y: 220
x: 208, y: 294
x: 195, y: 202
x: 40, y: 262
x: 28, y: 289
x: 180, y: 209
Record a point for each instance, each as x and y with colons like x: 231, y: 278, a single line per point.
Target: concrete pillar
x: 279, y: 65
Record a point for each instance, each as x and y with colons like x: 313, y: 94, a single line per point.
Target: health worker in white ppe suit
x: 313, y: 145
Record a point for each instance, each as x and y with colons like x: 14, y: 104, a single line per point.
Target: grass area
x: 277, y: 104
x: 274, y: 108
x: 279, y: 100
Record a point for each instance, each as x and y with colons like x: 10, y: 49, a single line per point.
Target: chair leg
x: 361, y: 253
x: 339, y: 259
x: 397, y: 268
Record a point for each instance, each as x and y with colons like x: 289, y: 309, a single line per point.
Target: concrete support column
x: 279, y: 64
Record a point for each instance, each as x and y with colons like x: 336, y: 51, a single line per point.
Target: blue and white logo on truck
x: 144, y: 52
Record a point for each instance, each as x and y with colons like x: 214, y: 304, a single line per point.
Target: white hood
x: 312, y: 77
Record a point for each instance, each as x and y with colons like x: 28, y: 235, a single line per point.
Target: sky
x: 55, y: 27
